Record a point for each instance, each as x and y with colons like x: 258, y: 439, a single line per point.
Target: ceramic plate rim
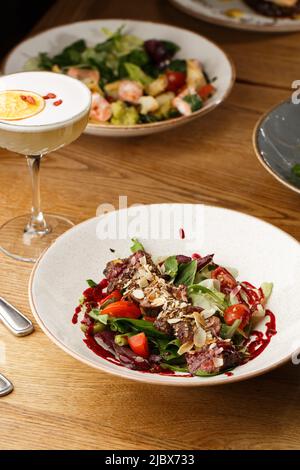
x: 147, y: 378
x: 154, y: 125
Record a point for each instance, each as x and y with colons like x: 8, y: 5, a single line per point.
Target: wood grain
x: 59, y: 403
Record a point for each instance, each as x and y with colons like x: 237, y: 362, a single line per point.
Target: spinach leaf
x: 123, y: 325
x: 137, y: 246
x: 177, y: 65
x: 71, y: 55
x: 170, y: 47
x: 175, y: 368
x: 91, y: 283
x: 171, y: 266
x: 194, y: 101
x: 186, y: 273
x: 44, y: 61
x: 135, y: 73
x: 168, y: 350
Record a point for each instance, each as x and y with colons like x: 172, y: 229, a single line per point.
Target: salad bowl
x: 217, y: 65
x: 82, y: 253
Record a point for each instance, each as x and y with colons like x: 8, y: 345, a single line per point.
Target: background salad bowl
x: 192, y: 46
x: 248, y: 244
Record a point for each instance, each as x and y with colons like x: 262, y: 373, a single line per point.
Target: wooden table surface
x: 59, y: 403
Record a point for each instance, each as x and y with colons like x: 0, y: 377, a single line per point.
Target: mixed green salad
x: 132, y: 81
x: 180, y: 314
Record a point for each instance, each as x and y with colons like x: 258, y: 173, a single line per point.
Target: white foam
x: 75, y: 96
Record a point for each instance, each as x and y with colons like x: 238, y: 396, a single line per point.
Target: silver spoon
x: 14, y: 320
x: 6, y: 386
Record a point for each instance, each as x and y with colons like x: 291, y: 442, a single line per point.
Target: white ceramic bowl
x: 260, y: 251
x: 215, y: 61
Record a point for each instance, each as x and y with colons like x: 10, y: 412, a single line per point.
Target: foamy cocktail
x: 39, y: 113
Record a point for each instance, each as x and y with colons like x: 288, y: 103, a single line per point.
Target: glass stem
x: 37, y: 224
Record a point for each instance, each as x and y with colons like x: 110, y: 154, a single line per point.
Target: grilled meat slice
x: 214, y: 358
x: 120, y: 271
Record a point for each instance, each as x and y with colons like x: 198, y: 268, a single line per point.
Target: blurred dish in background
x: 276, y: 141
x: 124, y: 68
x: 268, y: 17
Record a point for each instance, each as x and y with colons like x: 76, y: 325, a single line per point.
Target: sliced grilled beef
x: 212, y: 360
x: 119, y: 271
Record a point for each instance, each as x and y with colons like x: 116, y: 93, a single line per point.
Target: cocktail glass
x: 61, y: 120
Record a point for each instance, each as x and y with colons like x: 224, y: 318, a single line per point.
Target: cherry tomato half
x: 122, y: 309
x: 139, y: 345
x: 176, y: 80
x: 227, y: 281
x: 237, y: 312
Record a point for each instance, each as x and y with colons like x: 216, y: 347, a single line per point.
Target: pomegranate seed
x: 50, y: 96
x: 29, y: 99
x: 196, y: 256
x: 57, y: 103
x: 181, y: 234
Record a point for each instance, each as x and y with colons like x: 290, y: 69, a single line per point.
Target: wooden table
x: 62, y: 404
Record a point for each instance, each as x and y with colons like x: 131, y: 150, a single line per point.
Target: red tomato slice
x: 227, y: 281
x: 122, y: 309
x: 176, y: 80
x: 139, y: 345
x: 206, y: 91
x: 116, y: 295
x: 237, y: 312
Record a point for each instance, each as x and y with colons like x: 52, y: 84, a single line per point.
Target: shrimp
x: 101, y: 109
x: 183, y: 107
x: 130, y: 91
x: 88, y: 76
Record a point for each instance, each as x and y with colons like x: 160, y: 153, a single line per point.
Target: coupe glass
x: 63, y: 118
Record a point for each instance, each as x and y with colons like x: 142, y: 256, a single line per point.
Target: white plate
x: 216, y: 12
x: 215, y: 61
x: 258, y: 250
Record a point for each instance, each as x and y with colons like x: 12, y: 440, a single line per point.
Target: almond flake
x: 185, y: 347
x: 138, y: 294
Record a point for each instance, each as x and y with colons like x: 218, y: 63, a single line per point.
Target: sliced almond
x: 172, y: 321
x: 158, y: 302
x: 198, y: 319
x: 138, y: 294
x: 218, y: 361
x: 199, y: 337
x: 185, y: 347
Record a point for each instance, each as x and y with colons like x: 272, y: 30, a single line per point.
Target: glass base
x: 22, y: 245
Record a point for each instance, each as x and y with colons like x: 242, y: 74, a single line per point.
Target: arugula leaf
x: 186, y: 273
x: 123, y: 325
x: 194, y: 101
x: 137, y: 246
x: 171, y: 266
x: 296, y: 170
x: 91, y: 283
